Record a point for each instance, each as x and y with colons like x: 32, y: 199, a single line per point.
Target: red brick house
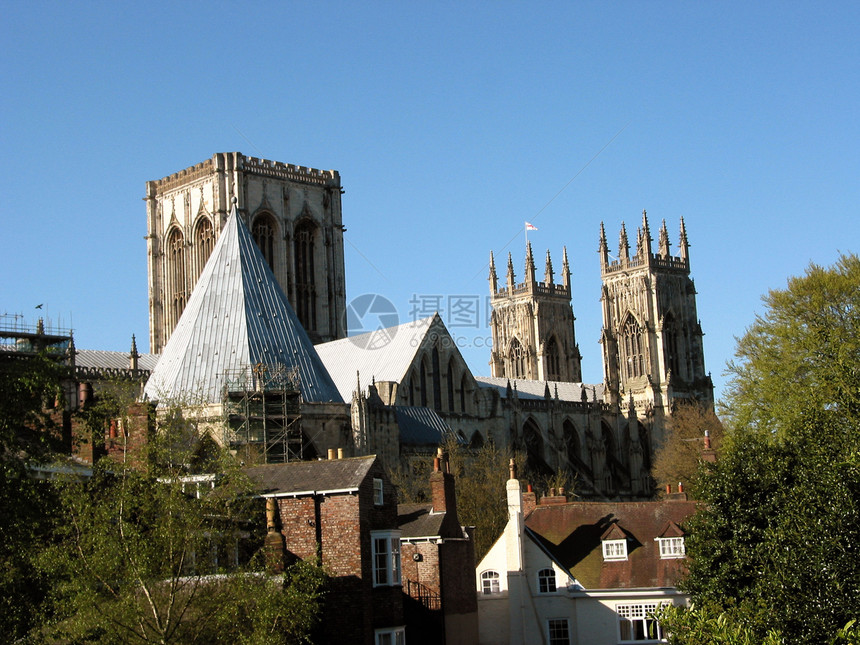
x: 345, y: 510
x: 438, y: 566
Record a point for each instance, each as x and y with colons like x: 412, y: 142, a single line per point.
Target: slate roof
x: 420, y: 426
x: 101, y: 359
x: 417, y: 521
x: 322, y: 476
x: 384, y: 355
x: 237, y: 316
x: 527, y: 389
x: 571, y: 533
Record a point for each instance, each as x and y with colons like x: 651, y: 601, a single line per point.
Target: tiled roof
x: 420, y: 426
x: 382, y: 355
x: 527, y: 389
x: 101, y: 359
x: 236, y: 317
x: 326, y: 475
x: 417, y: 521
x: 572, y: 534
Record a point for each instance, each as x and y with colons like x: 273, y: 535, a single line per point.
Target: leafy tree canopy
x: 776, y: 545
x: 802, y: 354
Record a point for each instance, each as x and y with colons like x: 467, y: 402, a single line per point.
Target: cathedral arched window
x: 670, y: 345
x: 176, y: 294
x: 534, y: 446
x: 437, y: 380
x: 425, y: 380
x: 631, y: 343
x: 263, y: 231
x: 645, y: 445
x: 572, y: 444
x: 551, y: 360
x: 306, y: 300
x: 517, y: 360
x: 204, y: 242
x: 450, y: 384
x: 477, y: 441
x: 463, y: 394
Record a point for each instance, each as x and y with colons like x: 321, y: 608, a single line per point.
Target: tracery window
x: 450, y: 385
x: 437, y: 380
x: 264, y: 235
x: 517, y: 360
x: 176, y: 295
x: 204, y: 242
x: 306, y: 300
x: 551, y: 360
x: 631, y: 343
x: 670, y: 345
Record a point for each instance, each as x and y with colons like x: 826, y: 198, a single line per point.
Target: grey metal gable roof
x: 99, y: 358
x: 420, y: 426
x: 237, y: 316
x: 528, y: 389
x: 375, y: 360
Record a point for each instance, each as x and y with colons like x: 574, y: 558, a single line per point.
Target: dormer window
x: 671, y: 547
x: 671, y: 542
x: 614, y: 550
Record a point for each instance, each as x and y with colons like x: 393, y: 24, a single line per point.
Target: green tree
x: 153, y: 555
x: 29, y: 388
x: 701, y: 626
x: 679, y: 456
x: 776, y: 545
x: 802, y: 353
x: 480, y: 475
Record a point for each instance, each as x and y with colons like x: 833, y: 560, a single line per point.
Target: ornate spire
x: 133, y: 355
x: 603, y: 248
x: 646, y: 233
x: 511, y: 277
x: 623, y: 245
x: 530, y: 264
x: 549, y: 275
x: 565, y: 269
x: 664, y: 244
x: 640, y: 243
x: 494, y: 280
x: 682, y: 243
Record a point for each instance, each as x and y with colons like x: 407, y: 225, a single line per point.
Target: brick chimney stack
x: 442, y: 487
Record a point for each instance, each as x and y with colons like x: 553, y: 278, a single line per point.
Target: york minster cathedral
x: 247, y: 310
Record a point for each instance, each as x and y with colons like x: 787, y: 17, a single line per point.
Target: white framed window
x: 636, y: 623
x: 386, y: 558
x: 672, y: 547
x: 490, y: 582
x: 614, y: 549
x: 377, y: 492
x: 558, y: 631
x: 390, y: 636
x: 546, y: 581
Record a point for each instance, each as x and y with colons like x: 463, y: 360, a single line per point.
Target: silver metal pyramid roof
x: 237, y: 317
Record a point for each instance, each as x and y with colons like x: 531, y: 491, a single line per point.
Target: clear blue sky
x: 451, y: 123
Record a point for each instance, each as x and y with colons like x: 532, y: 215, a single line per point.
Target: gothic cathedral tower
x: 533, y: 325
x: 294, y: 214
x: 652, y: 338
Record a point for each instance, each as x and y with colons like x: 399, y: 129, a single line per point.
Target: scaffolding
x: 262, y: 413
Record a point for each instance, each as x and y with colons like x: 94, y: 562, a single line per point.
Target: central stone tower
x: 293, y: 213
x: 533, y: 325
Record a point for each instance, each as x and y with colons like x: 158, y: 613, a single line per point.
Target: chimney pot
x: 668, y: 489
x: 340, y: 453
x: 680, y: 487
x: 529, y: 488
x: 331, y: 453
